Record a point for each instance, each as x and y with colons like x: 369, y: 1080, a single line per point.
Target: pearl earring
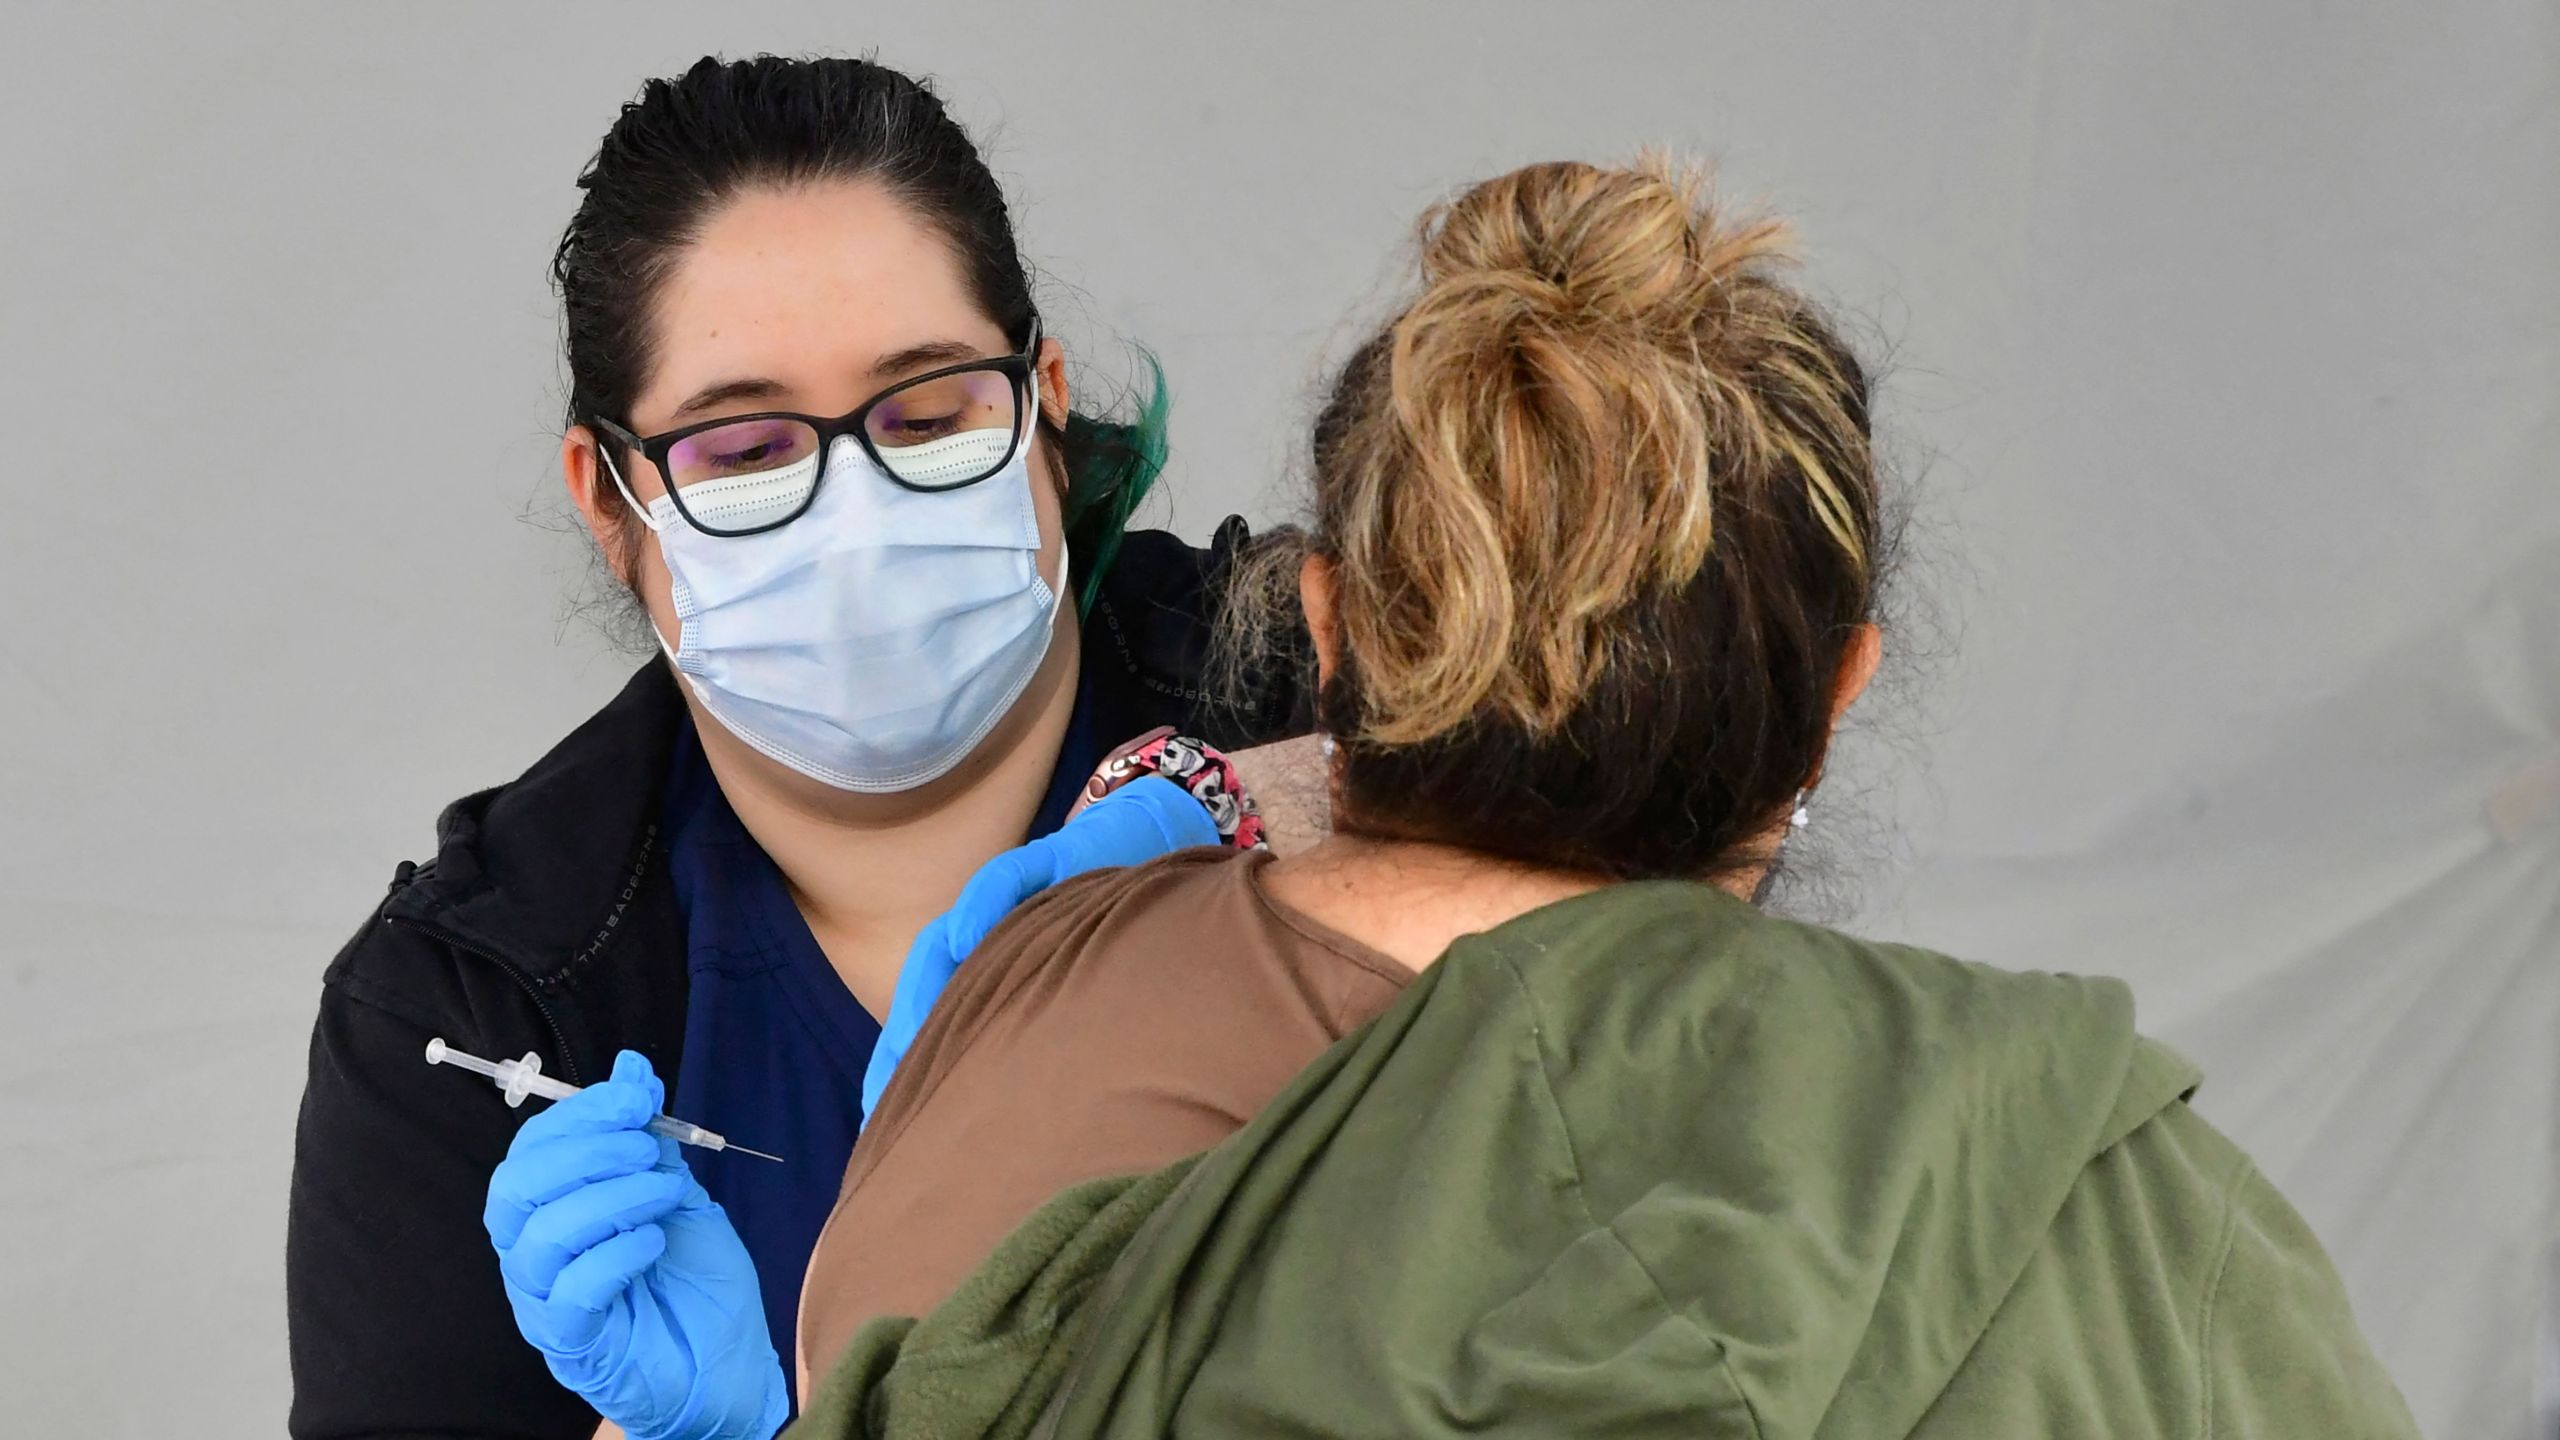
x: 1802, y: 816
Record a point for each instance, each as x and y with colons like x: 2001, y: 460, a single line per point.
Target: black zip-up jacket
x: 546, y: 922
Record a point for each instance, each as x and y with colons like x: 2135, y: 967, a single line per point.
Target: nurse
x: 819, y: 435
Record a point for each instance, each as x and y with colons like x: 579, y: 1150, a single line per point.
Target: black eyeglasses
x: 943, y: 430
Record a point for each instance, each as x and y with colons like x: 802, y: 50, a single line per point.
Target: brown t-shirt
x: 1111, y: 1026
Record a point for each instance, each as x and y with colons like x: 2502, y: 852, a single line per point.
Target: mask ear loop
x: 654, y: 528
x: 1032, y: 417
x: 627, y: 497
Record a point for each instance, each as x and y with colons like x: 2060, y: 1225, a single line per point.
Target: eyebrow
x: 725, y: 392
x: 931, y: 352
x: 914, y: 357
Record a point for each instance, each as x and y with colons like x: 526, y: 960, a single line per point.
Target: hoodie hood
x: 1832, y: 1160
x: 1651, y: 1157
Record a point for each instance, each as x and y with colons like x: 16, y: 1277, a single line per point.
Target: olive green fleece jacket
x: 1649, y: 1162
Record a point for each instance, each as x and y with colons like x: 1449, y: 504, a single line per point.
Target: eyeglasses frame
x: 1020, y: 367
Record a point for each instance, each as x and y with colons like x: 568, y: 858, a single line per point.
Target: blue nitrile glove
x: 1141, y: 820
x: 624, y: 1274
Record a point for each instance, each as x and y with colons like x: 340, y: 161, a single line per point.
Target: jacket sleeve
x: 398, y: 1323
x: 2282, y: 1355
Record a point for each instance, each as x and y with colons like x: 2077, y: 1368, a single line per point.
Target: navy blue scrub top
x: 774, y: 1044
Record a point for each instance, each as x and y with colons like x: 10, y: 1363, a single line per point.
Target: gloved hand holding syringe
x: 520, y: 1078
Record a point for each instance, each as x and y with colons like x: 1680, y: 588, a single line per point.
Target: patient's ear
x: 1315, y: 599
x: 1858, y: 661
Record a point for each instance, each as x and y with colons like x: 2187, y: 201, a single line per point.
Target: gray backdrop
x: 2224, y: 342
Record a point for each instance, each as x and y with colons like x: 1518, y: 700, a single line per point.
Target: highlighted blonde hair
x: 1600, y: 509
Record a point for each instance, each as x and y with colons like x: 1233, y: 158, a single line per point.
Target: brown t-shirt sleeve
x: 1111, y: 1026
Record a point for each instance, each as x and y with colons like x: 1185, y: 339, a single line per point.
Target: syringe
x: 520, y: 1078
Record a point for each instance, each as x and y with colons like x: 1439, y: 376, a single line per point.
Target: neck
x: 868, y: 871
x: 1410, y: 900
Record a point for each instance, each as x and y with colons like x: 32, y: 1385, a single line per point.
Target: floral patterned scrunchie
x: 1196, y: 767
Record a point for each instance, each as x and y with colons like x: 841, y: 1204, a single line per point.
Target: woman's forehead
x: 810, y: 285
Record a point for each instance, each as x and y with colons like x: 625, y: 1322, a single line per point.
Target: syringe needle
x: 743, y: 1150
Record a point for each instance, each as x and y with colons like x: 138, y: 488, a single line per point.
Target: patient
x: 1595, y: 552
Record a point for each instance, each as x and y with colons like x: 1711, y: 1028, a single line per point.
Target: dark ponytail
x: 688, y: 145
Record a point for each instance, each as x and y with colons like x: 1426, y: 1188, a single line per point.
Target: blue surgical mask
x: 873, y: 642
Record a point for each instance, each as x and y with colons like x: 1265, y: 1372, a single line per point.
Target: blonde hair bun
x: 1570, y: 242
x: 1597, y: 508
x: 1594, y: 355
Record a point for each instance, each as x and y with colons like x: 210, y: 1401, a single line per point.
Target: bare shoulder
x: 1291, y: 784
